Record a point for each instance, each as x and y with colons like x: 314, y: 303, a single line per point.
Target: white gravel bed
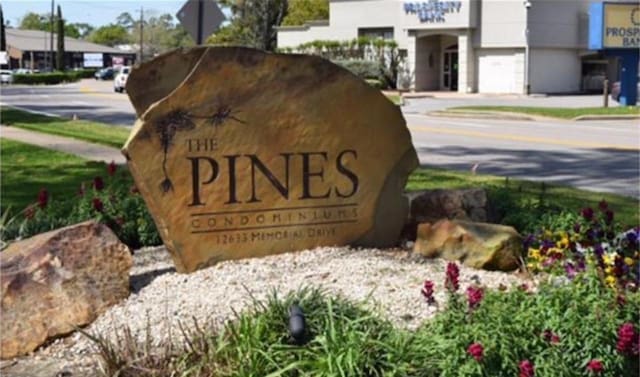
x: 387, y: 281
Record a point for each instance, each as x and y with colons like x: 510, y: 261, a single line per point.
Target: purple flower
x: 98, y: 183
x: 43, y: 198
x: 587, y: 213
x: 576, y: 228
x: 603, y: 205
x: 608, y: 216
x: 570, y: 270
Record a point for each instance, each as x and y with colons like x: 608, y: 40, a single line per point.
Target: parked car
x: 6, y: 76
x: 104, y: 74
x: 121, y: 79
x: 25, y: 71
x: 615, y: 90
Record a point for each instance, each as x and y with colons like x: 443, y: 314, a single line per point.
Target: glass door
x: 450, y: 70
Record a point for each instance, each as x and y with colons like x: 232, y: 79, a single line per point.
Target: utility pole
x: 141, y: 33
x: 51, y: 37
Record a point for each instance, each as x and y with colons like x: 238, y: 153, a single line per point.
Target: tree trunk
x: 60, y: 50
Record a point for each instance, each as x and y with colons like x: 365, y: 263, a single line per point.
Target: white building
x: 486, y: 46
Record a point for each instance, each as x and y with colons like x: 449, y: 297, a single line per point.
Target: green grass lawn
x: 99, y: 133
x: 556, y: 112
x: 562, y: 197
x: 395, y: 98
x: 26, y: 169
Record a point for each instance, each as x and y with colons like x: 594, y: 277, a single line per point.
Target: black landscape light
x: 297, y: 325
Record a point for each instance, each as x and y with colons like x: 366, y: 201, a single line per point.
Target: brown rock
x: 454, y: 204
x: 58, y: 280
x: 477, y: 245
x: 254, y: 154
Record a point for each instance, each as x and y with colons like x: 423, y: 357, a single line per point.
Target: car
x: 25, y: 71
x: 6, y: 76
x: 615, y: 90
x: 120, y: 81
x: 104, y: 74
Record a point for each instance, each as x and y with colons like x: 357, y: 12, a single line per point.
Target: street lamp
x: 527, y: 53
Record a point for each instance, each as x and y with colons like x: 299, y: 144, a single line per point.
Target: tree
x: 301, y: 11
x: 126, y: 20
x: 110, y: 35
x: 3, y: 38
x: 253, y: 23
x: 84, y: 29
x: 70, y: 30
x: 60, y: 47
x: 34, y: 21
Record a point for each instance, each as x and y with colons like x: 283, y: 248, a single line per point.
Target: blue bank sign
x: 432, y: 11
x: 614, y: 28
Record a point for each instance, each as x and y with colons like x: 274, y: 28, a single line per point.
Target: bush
x: 362, y: 68
x: 49, y: 78
x: 113, y: 201
x: 376, y: 83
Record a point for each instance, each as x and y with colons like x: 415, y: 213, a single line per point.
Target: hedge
x: 52, y: 78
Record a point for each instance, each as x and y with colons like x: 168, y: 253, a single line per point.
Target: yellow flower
x: 548, y: 234
x: 564, y: 242
x: 534, y: 253
x: 607, y: 259
x: 609, y: 270
x: 628, y: 261
x: 611, y: 281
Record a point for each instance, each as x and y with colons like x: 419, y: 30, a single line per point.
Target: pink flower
x: 627, y: 339
x: 98, y: 183
x: 526, y: 369
x: 550, y: 336
x: 43, y: 198
x: 474, y: 296
x: 453, y: 275
x: 427, y: 291
x: 476, y: 350
x: 595, y: 366
x: 111, y: 168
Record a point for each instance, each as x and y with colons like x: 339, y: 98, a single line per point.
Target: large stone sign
x: 240, y: 153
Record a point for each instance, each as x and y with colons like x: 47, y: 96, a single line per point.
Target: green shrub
x: 49, y: 78
x: 364, y: 69
x: 375, y: 83
x: 113, y: 201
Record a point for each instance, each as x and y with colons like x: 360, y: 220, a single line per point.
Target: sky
x: 93, y: 12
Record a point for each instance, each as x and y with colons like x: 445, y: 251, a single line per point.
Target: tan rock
x: 58, y: 280
x: 452, y: 204
x: 478, y: 245
x: 254, y: 154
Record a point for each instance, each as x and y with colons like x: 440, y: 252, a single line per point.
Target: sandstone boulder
x: 241, y: 153
x: 58, y: 280
x: 478, y: 245
x: 455, y: 204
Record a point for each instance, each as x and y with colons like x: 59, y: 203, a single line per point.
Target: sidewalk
x: 89, y: 151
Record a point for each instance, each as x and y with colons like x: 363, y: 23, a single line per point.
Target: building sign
x: 93, y: 60
x: 236, y: 157
x: 621, y: 25
x: 432, y: 11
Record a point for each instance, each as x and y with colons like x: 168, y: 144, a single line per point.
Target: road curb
x: 483, y: 115
x: 606, y: 117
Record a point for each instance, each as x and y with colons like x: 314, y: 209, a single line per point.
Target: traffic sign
x: 200, y: 18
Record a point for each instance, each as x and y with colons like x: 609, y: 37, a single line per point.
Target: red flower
x: 111, y: 168
x: 98, y: 183
x: 474, y: 296
x: 603, y: 205
x: 476, y: 350
x: 587, y: 213
x: 452, y: 280
x: 550, y: 336
x: 526, y: 369
x: 43, y: 198
x: 29, y: 212
x: 595, y: 366
x: 627, y: 339
x: 427, y: 292
x: 97, y: 204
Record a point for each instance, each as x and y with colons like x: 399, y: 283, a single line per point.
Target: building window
x: 378, y: 32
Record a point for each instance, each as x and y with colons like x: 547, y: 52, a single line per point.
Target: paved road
x: 594, y: 155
